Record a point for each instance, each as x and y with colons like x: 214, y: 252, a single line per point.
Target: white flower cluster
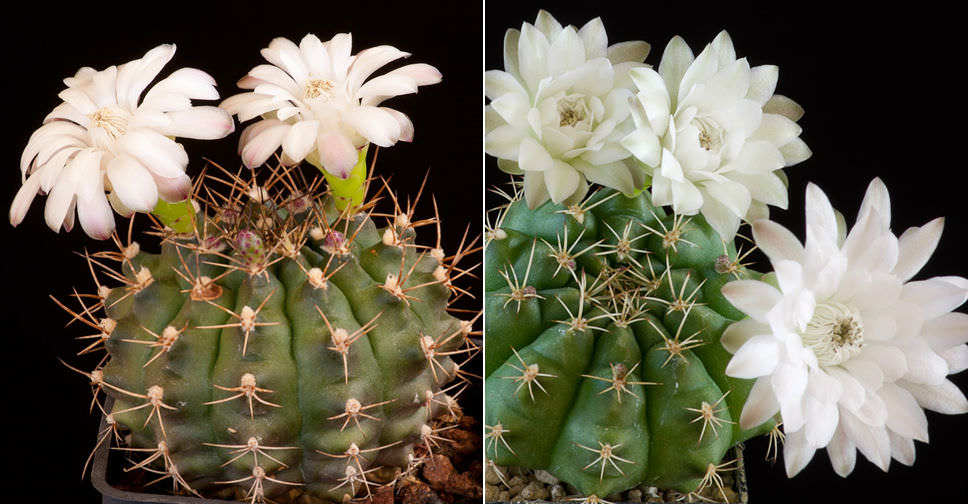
x: 317, y: 104
x: 315, y: 100
x: 707, y: 131
x: 845, y: 346
x: 106, y: 137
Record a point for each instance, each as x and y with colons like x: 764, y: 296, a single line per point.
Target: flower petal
x: 757, y: 357
x: 132, y: 184
x: 752, y: 297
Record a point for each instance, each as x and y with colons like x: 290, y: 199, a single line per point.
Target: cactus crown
x: 283, y: 348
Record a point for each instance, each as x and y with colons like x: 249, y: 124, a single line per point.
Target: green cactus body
x: 275, y: 351
x: 603, y: 360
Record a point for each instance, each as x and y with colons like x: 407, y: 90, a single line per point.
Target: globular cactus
x: 283, y: 348
x: 603, y: 360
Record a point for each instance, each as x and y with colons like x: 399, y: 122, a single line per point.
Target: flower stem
x: 349, y: 192
x: 178, y: 216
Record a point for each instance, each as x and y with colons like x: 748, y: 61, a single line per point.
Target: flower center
x: 835, y: 333
x: 710, y: 135
x: 573, y: 112
x: 112, y: 120
x: 319, y: 87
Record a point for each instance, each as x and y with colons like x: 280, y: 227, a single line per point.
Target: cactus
x: 282, y: 347
x: 603, y: 360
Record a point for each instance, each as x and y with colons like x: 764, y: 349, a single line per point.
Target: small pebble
x: 534, y: 491
x: 545, y: 477
x: 492, y: 476
x: 491, y: 493
x: 557, y: 493
x: 635, y: 495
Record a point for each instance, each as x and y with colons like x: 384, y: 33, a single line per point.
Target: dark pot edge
x: 112, y: 495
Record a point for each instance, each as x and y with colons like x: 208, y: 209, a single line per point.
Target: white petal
x: 132, y: 184
x: 820, y: 214
x: 761, y: 405
x: 502, y: 142
x: 757, y: 357
x: 157, y: 152
x: 797, y: 452
x: 382, y: 87
x: 877, y: 199
x: 140, y: 73
x: 562, y: 181
x: 374, y: 124
x: 616, y: 175
x: 873, y: 442
x: 93, y: 210
x: 202, y: 123
x: 946, y: 331
x: 902, y: 448
x: 935, y: 296
x: 923, y: 365
x: 62, y: 197
x: 905, y: 416
x: 23, y: 199
x: 956, y: 357
x: 188, y: 82
x: 632, y: 50
x: 300, y: 140
x: 945, y: 397
x: 779, y: 104
x: 777, y: 242
x: 842, y: 452
x: 915, y: 247
x: 737, y: 333
x: 753, y: 297
x: 532, y: 156
x: 644, y: 145
x: 820, y: 421
x: 871, y: 375
x: 368, y: 61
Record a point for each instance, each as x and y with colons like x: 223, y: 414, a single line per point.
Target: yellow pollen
x: 318, y: 87
x: 111, y: 119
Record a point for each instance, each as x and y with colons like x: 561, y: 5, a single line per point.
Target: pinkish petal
x: 261, y: 145
x: 337, y: 153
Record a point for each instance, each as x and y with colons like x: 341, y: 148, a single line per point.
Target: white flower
x: 848, y: 349
x: 712, y: 134
x: 102, y: 139
x: 316, y: 102
x: 560, y: 108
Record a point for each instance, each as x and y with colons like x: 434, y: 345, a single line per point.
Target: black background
x: 883, y: 98
x: 47, y: 432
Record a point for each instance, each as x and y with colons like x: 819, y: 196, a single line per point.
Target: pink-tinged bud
x: 251, y: 249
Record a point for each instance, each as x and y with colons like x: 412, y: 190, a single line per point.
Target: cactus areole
x: 603, y: 360
x: 282, y: 349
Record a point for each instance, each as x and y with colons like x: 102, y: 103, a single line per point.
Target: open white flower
x: 316, y: 102
x: 848, y: 349
x: 102, y: 139
x: 560, y: 108
x: 712, y: 134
